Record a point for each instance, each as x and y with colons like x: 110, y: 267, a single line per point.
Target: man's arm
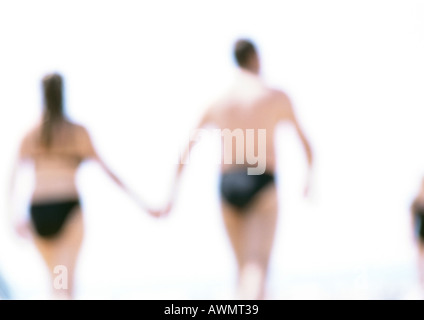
x: 183, y: 161
x: 305, y: 142
x: 289, y: 114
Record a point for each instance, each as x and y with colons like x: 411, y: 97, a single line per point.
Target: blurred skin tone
x: 415, y: 212
x: 250, y: 104
x: 55, y: 172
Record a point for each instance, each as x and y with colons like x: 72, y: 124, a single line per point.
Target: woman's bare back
x: 56, y: 166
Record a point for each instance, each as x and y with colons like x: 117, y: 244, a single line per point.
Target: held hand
x: 307, y: 188
x: 167, y: 209
x: 155, y: 213
x: 140, y: 202
x: 164, y: 212
x: 309, y: 183
x: 169, y: 206
x: 161, y: 213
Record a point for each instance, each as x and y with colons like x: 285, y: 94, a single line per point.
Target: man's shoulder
x: 278, y: 94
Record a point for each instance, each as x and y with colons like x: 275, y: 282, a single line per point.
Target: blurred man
x: 247, y: 117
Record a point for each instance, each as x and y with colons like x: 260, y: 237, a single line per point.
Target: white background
x: 138, y: 74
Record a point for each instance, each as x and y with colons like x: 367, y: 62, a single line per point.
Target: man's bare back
x: 250, y: 105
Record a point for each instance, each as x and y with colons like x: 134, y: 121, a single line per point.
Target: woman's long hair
x: 53, y: 107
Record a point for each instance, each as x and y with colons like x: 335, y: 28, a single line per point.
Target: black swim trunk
x: 239, y: 189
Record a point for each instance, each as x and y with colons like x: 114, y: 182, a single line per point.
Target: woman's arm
x: 18, y: 223
x: 89, y: 152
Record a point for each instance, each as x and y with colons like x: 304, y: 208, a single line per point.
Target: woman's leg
x: 421, y: 263
x: 252, y: 236
x: 61, y: 254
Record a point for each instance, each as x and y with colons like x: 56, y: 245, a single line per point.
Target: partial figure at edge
x: 417, y: 227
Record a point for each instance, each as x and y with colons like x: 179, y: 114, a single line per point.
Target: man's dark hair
x: 243, y: 50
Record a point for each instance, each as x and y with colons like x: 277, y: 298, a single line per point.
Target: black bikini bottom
x: 49, y: 218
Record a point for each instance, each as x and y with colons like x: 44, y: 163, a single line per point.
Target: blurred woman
x: 57, y: 147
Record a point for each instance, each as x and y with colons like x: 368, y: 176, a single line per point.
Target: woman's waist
x: 48, y: 192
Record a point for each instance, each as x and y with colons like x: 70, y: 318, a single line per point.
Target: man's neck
x: 249, y: 73
x: 245, y: 78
